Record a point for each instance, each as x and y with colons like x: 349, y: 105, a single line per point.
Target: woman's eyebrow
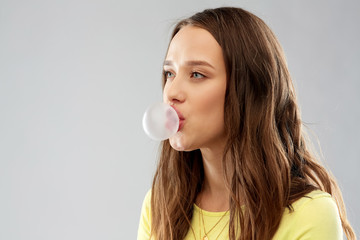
x: 190, y: 63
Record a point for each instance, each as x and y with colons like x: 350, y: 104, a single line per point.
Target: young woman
x: 239, y: 166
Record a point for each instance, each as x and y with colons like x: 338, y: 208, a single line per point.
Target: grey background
x: 76, y: 77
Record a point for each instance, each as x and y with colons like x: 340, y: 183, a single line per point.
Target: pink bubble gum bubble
x: 160, y: 121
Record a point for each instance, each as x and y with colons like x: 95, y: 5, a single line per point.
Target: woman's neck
x: 214, y: 195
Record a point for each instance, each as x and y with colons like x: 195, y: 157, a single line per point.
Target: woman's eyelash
x: 197, y: 75
x: 168, y: 74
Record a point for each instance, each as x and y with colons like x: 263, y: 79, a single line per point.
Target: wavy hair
x: 267, y: 157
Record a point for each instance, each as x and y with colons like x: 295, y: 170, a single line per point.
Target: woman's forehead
x: 194, y: 44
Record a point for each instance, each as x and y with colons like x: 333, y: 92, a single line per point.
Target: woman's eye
x: 168, y: 74
x: 197, y: 75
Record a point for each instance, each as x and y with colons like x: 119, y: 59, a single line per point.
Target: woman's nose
x: 174, y: 91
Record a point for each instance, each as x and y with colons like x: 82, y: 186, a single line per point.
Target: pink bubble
x: 160, y: 121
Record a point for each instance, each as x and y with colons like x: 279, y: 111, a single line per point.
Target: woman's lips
x: 181, y: 124
x: 181, y: 118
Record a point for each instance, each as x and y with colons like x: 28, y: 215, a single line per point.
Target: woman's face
x: 195, y: 86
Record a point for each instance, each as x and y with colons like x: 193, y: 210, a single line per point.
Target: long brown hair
x: 266, y: 156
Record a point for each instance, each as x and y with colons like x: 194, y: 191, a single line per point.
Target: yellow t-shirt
x: 315, y: 216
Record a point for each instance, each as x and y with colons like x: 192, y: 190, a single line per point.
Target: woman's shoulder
x: 315, y: 198
x: 145, y: 218
x: 147, y: 198
x: 314, y: 216
x: 146, y: 204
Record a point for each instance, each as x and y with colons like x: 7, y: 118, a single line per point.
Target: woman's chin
x: 177, y: 142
